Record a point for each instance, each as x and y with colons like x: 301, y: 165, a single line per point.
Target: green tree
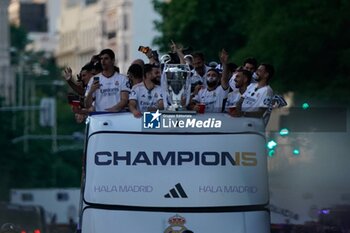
x: 306, y: 41
x: 208, y: 26
x: 18, y: 37
x: 8, y: 155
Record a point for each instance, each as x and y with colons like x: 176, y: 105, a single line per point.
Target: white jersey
x: 109, y: 92
x: 212, y: 99
x: 193, y: 80
x: 232, y: 98
x: 196, y: 79
x: 232, y: 82
x: 255, y: 98
x: 144, y: 97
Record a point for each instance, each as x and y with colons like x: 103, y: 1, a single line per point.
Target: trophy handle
x: 187, y: 58
x: 165, y: 58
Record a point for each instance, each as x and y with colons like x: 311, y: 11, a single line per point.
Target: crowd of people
x: 220, y: 86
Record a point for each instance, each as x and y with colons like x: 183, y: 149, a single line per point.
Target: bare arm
x: 77, y: 88
x: 152, y: 59
x: 133, y: 108
x: 124, y: 98
x: 79, y: 110
x: 88, y: 100
x: 160, y: 104
x: 224, y: 76
x: 89, y: 97
x: 69, y: 79
x: 256, y: 114
x: 193, y: 103
x: 238, y: 112
x: 178, y: 50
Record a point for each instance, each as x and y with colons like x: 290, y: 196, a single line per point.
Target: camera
x: 144, y: 49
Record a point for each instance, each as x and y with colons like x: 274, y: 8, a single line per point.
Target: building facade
x: 39, y: 19
x: 7, y: 83
x: 87, y: 27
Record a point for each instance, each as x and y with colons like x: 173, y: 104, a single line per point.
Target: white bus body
x: 174, y: 177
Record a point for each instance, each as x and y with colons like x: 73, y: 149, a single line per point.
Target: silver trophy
x: 176, y: 85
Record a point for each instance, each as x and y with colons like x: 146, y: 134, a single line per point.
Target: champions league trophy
x: 175, y: 84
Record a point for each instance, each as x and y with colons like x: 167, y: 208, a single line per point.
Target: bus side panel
x: 176, y: 170
x: 254, y: 221
x: 108, y: 221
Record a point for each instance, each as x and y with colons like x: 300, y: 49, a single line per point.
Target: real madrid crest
x: 177, y: 225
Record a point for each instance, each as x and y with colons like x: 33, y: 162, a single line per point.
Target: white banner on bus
x: 182, y: 170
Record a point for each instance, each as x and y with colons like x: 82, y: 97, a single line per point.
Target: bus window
x: 27, y: 197
x: 62, y: 197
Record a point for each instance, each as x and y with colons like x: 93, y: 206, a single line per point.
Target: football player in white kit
x: 146, y: 96
x: 242, y: 80
x: 238, y: 82
x: 256, y: 99
x: 199, y: 72
x: 215, y: 92
x: 108, y: 90
x: 213, y: 95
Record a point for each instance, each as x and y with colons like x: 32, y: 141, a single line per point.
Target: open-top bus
x: 174, y: 172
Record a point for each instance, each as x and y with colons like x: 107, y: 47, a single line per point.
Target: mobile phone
x: 144, y: 49
x: 96, y: 78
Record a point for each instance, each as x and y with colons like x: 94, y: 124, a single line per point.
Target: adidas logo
x: 177, y: 192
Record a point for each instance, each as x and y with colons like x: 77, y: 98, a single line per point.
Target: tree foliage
x: 306, y: 41
x: 18, y: 37
x: 204, y: 25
